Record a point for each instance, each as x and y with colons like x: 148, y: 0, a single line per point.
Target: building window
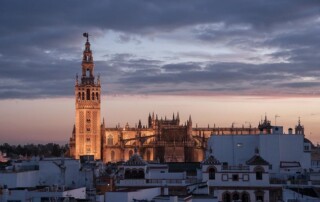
x: 245, y: 177
x: 134, y: 174
x: 224, y: 177
x: 235, y: 177
x: 88, y: 139
x: 259, y: 198
x: 259, y: 173
x: 88, y: 129
x: 97, y: 96
x: 235, y: 196
x: 92, y: 96
x: 245, y: 197
x: 88, y: 94
x: 110, y: 140
x: 212, y: 173
x: 127, y: 174
x: 259, y: 195
x: 82, y: 95
x: 226, y: 197
x: 112, y: 156
x: 140, y: 174
x: 211, y: 191
x: 148, y: 155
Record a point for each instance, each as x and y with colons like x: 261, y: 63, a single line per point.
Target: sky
x: 222, y: 62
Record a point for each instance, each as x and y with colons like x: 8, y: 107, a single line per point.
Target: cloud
x: 252, y: 47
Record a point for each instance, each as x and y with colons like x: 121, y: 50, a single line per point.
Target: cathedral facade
x: 161, y: 140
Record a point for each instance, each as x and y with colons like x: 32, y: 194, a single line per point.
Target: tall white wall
x: 19, y: 179
x: 274, y: 148
x: 269, y: 148
x: 234, y: 149
x: 51, y: 173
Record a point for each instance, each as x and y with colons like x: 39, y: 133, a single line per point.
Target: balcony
x: 156, y: 182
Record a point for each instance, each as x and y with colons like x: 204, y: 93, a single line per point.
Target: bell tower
x: 87, y: 100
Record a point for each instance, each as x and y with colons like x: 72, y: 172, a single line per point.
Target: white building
x: 176, y: 177
x: 53, y: 193
x: 238, y: 167
x: 63, y: 174
x: 244, y: 182
x: 286, y: 153
x: 47, y: 172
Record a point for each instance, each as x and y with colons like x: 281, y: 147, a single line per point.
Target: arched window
x: 226, y: 197
x: 130, y: 153
x: 87, y: 71
x: 110, y: 140
x: 79, y: 96
x: 82, y: 95
x: 148, y: 155
x: 112, y: 156
x: 235, y: 196
x: 212, y: 173
x: 134, y: 174
x: 259, y: 172
x: 259, y: 195
x: 140, y: 174
x: 88, y: 94
x: 97, y: 96
x: 245, y: 197
x: 127, y: 174
x: 92, y: 96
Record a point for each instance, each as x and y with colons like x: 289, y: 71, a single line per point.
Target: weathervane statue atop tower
x: 86, y: 34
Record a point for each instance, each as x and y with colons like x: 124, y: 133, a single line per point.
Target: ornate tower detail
x: 149, y: 121
x: 189, y: 128
x: 87, y: 94
x: 299, y: 130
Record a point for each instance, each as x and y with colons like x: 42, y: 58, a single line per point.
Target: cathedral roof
x: 257, y: 160
x: 135, y: 160
x: 211, y: 160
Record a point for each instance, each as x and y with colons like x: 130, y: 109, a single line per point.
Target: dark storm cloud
x: 300, y: 84
x: 142, y: 14
x: 184, y: 67
x: 40, y: 48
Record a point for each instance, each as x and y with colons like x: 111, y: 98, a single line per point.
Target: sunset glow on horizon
x: 223, y: 63
x: 54, y: 118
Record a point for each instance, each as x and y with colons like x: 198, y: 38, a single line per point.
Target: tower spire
x: 87, y: 63
x: 88, y: 99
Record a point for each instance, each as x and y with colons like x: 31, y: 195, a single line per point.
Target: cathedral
x: 161, y: 140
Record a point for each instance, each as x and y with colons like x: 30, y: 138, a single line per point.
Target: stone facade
x: 86, y: 137
x: 161, y: 140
